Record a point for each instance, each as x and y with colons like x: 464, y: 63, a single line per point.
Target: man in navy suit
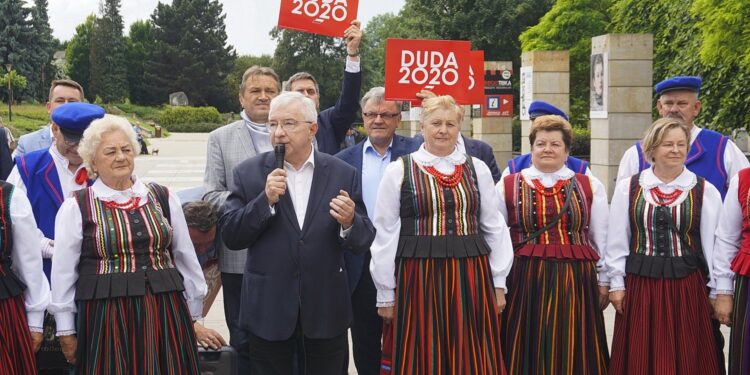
x: 334, y: 122
x: 370, y: 157
x: 296, y: 222
x: 61, y: 91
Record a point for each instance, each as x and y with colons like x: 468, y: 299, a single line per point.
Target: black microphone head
x: 279, y: 151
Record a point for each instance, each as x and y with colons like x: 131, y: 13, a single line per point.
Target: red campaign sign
x: 441, y: 66
x: 476, y: 77
x: 498, y: 106
x: 324, y: 17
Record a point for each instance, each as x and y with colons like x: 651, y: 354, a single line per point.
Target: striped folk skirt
x: 665, y: 328
x: 446, y: 318
x: 739, y: 343
x: 552, y: 323
x: 16, y: 352
x: 150, y: 334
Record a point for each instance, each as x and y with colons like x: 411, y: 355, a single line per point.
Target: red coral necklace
x: 449, y: 180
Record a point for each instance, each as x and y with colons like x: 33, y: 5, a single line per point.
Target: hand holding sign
x: 324, y: 17
x: 439, y: 66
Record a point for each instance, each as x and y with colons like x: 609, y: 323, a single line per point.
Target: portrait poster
x: 598, y: 88
x: 527, y: 89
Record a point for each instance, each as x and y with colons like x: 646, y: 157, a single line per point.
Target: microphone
x: 279, y: 151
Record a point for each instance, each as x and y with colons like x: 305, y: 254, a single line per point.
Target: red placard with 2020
x: 441, y: 66
x: 324, y: 17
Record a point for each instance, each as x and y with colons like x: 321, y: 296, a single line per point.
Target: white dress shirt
x: 27, y: 265
x: 68, y: 250
x: 618, y: 240
x: 387, y: 222
x: 299, y: 184
x: 598, y: 222
x: 734, y: 159
x: 728, y: 237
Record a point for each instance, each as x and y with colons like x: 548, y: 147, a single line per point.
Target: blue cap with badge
x: 541, y: 108
x: 73, y: 118
x: 686, y: 83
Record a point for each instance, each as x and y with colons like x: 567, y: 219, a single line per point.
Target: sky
x: 248, y: 21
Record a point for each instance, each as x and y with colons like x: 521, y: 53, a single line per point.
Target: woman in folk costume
x: 659, y: 260
x: 126, y: 266
x: 24, y: 290
x: 732, y: 270
x: 441, y: 254
x: 558, y: 225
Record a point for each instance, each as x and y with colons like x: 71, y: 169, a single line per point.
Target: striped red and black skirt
x: 149, y: 334
x: 552, y: 323
x: 16, y: 352
x: 446, y: 318
x: 665, y: 328
x: 739, y: 342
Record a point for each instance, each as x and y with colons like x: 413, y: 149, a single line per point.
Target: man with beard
x: 712, y: 155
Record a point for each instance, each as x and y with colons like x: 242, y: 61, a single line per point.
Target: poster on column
x: 527, y: 89
x: 324, y: 17
x: 441, y: 66
x: 598, y: 103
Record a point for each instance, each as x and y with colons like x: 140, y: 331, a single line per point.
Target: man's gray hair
x: 201, y: 215
x: 298, y: 77
x: 377, y: 95
x: 290, y: 98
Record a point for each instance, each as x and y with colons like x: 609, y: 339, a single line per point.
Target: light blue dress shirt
x: 373, y: 167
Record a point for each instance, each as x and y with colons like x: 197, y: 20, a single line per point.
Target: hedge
x: 189, y: 115
x: 200, y: 127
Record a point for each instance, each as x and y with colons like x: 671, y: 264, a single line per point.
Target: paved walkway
x: 181, y: 164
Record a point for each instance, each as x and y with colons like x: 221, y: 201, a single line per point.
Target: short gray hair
x: 289, y: 98
x: 377, y: 95
x: 92, y: 137
x: 298, y: 77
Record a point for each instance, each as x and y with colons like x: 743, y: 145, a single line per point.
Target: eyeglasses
x: 287, y: 125
x: 384, y: 115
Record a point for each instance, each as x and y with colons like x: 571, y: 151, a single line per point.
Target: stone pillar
x: 627, y: 108
x: 550, y: 73
x: 495, y: 131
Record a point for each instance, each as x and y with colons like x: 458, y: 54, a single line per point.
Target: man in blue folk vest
x: 49, y: 176
x: 540, y: 108
x: 712, y: 155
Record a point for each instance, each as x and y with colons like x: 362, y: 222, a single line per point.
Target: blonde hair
x: 656, y: 132
x: 550, y: 123
x: 440, y: 102
x: 92, y: 137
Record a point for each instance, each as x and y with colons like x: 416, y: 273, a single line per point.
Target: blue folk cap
x: 73, y: 118
x: 541, y: 108
x: 689, y: 83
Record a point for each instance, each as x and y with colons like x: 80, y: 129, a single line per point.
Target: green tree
x: 77, y: 54
x: 44, y: 50
x: 17, y: 43
x: 570, y: 25
x: 140, y: 43
x: 191, y: 53
x: 17, y: 81
x: 107, y: 69
x: 684, y: 45
x: 322, y: 56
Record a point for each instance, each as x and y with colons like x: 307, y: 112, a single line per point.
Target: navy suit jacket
x: 335, y: 121
x: 479, y: 150
x: 6, y: 160
x: 294, y: 275
x: 353, y: 156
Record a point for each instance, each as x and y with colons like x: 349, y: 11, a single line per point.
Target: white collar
x: 424, y: 157
x: 310, y: 161
x: 563, y: 173
x: 685, y: 181
x: 106, y: 193
x: 61, y: 160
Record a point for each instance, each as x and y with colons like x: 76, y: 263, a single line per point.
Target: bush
x: 200, y: 127
x: 581, y: 147
x: 189, y: 115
